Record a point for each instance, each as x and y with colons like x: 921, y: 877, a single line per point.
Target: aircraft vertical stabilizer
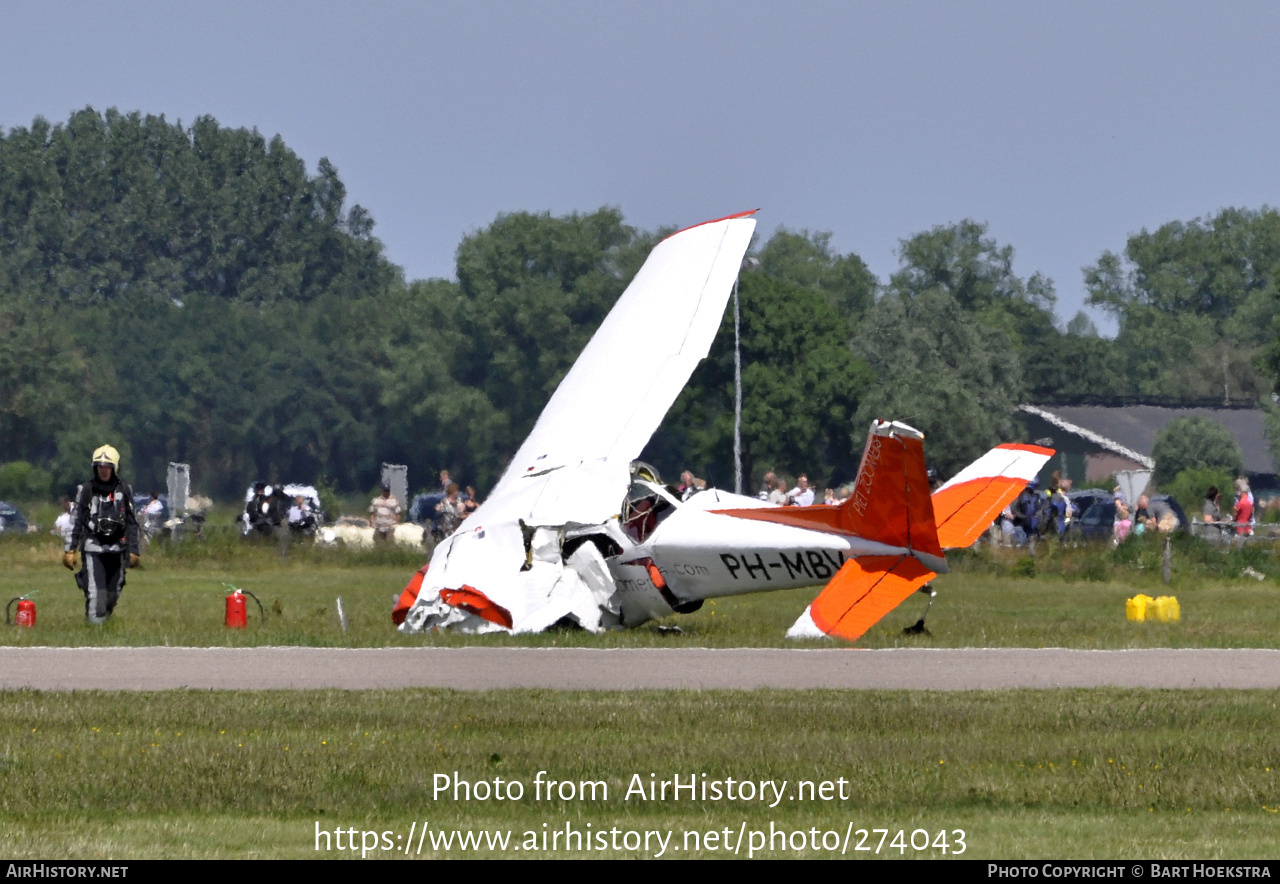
x: 869, y: 587
x: 890, y: 504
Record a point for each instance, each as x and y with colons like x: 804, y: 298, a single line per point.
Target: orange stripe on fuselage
x: 832, y: 519
x: 964, y: 511
x: 864, y: 590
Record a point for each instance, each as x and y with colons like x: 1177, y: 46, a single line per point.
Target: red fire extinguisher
x: 237, y: 616
x: 26, y: 612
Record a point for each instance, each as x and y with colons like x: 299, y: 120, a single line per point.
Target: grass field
x: 1104, y: 773
x: 1062, y: 597
x: 1158, y: 774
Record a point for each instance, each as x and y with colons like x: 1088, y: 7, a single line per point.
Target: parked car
x: 266, y: 508
x: 11, y: 520
x: 1097, y: 517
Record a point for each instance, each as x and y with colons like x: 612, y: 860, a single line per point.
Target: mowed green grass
x: 1064, y: 597
x: 1104, y: 773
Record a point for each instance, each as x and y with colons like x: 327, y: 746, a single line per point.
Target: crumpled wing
x: 574, y: 468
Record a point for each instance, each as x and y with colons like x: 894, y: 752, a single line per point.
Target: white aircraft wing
x: 573, y: 469
x: 626, y: 379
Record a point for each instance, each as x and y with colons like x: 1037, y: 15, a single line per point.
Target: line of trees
x: 194, y: 294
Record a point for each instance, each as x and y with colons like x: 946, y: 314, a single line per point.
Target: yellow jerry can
x: 1136, y: 607
x: 1165, y: 609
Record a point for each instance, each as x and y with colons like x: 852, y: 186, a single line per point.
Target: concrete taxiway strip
x: 480, y: 668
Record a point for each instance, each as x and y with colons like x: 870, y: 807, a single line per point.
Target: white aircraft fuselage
x: 702, y: 554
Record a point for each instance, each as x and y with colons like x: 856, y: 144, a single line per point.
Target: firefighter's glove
x: 69, y: 560
x: 133, y: 560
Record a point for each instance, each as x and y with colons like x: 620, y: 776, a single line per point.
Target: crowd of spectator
x: 1054, y: 512
x: 1036, y: 512
x: 775, y: 490
x: 445, y: 508
x: 1242, y: 520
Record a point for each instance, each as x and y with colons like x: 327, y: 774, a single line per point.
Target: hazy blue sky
x: 1065, y: 126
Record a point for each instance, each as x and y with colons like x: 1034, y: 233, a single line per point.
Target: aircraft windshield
x: 646, y: 506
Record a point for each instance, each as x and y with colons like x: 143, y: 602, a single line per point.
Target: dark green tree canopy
x: 1196, y: 302
x: 1081, y: 326
x: 806, y: 260
x: 961, y: 260
x: 110, y: 206
x: 976, y: 272
x: 1205, y: 267
x: 941, y: 370
x: 801, y: 386
x: 1195, y: 443
x: 195, y: 291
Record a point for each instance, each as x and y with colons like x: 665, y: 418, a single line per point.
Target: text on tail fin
x: 890, y: 502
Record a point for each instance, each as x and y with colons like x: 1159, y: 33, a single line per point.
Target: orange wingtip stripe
x: 1034, y: 449
x: 964, y: 511
x: 714, y: 221
x: 468, y: 598
x: 864, y: 591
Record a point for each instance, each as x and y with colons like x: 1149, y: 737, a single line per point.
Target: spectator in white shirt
x: 802, y: 494
x: 63, y: 525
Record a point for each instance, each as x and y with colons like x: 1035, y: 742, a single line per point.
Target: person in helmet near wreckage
x: 105, y: 532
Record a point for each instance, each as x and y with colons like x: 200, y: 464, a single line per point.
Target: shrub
x: 1024, y: 568
x: 1190, y: 485
x: 19, y: 480
x: 1195, y: 443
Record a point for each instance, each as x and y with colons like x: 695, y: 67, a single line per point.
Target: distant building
x: 1095, y: 441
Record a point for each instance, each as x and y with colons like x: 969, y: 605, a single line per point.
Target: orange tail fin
x: 890, y: 502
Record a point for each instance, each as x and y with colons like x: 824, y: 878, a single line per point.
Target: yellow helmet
x: 108, y: 455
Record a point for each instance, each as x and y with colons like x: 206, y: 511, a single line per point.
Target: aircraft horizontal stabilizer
x: 968, y: 504
x: 865, y: 590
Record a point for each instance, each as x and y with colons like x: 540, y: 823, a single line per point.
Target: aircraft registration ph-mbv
x: 576, y: 531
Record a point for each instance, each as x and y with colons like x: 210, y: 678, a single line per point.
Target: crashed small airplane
x: 578, y: 532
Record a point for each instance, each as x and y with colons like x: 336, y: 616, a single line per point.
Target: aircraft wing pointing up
x: 626, y: 379
x: 503, y: 568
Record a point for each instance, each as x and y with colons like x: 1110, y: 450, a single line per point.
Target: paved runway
x: 479, y: 668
